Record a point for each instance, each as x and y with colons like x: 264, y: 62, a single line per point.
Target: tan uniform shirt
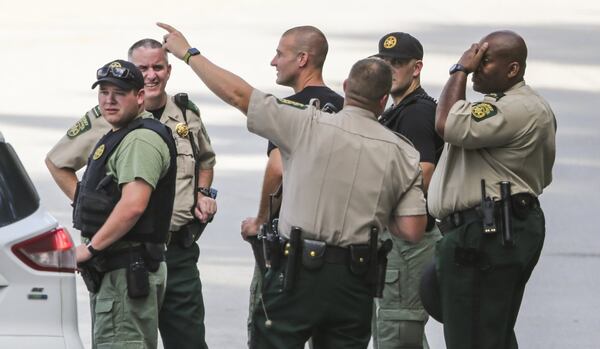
x: 343, y: 173
x: 507, y: 137
x: 73, y: 150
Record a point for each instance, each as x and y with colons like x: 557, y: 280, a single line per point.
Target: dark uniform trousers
x: 480, y: 302
x: 181, y: 318
x: 330, y: 304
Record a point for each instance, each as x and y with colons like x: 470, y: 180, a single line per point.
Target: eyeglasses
x: 117, y: 72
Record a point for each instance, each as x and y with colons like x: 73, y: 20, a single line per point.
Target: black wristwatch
x: 94, y: 252
x: 458, y: 67
x: 208, y: 192
x: 192, y: 51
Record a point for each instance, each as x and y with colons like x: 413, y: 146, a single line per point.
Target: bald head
x: 311, y: 40
x: 369, y: 81
x: 509, y: 46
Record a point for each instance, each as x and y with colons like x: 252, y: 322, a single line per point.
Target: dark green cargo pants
x: 330, y: 304
x: 181, y: 318
x: 481, y: 300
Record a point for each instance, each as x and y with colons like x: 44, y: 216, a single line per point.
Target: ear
x: 417, y: 70
x: 513, y: 69
x: 383, y: 101
x: 168, y: 72
x: 302, y: 59
x: 140, y: 97
x: 344, y: 85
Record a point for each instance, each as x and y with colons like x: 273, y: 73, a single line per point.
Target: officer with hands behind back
x: 193, y: 205
x: 484, y: 191
x: 122, y: 208
x: 346, y: 178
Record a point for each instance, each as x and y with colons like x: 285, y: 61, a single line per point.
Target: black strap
x: 396, y: 110
x: 182, y: 100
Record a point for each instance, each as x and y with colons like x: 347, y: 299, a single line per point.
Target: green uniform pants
x: 181, y: 319
x: 330, y: 304
x: 399, y: 318
x: 122, y: 322
x: 480, y: 300
x: 254, y: 301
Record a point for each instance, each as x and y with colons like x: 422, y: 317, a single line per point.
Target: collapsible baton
x: 507, y: 239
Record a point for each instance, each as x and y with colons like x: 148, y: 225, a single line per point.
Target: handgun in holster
x: 269, y: 235
x: 90, y: 275
x: 292, y: 251
x: 378, y: 263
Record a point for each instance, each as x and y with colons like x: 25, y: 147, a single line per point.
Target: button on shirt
x: 506, y: 137
x: 343, y: 173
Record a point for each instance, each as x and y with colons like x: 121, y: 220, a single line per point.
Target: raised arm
x: 229, y: 87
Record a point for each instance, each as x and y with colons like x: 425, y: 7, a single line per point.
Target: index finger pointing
x: 166, y: 27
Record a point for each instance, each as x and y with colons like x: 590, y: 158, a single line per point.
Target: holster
x: 91, y: 276
x: 380, y: 270
x: 313, y: 254
x: 257, y: 251
x: 138, y: 279
x: 188, y: 234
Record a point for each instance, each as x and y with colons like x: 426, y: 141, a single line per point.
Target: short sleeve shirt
x: 344, y: 173
x: 506, y: 137
x: 323, y: 93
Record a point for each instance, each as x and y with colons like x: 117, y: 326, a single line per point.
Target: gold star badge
x: 182, y: 129
x: 390, y: 42
x: 99, y: 151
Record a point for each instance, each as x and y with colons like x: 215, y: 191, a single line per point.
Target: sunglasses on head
x: 117, y: 72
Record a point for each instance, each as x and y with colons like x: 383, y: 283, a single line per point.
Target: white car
x: 38, y: 304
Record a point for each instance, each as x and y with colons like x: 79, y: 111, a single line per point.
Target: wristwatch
x: 192, y: 51
x: 208, y: 192
x: 458, y: 67
x: 94, y: 252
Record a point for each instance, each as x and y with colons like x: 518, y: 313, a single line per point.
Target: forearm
x: 232, y: 89
x: 125, y: 215
x: 272, y: 181
x: 427, y: 168
x: 453, y: 91
x: 65, y: 178
x: 410, y: 228
x: 205, y: 177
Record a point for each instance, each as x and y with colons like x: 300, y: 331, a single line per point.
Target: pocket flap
x: 103, y: 305
x: 391, y: 276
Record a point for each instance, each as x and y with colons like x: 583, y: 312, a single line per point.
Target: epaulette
x: 191, y: 106
x: 496, y: 96
x: 96, y: 111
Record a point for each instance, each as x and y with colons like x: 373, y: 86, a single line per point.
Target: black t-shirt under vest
x: 98, y: 193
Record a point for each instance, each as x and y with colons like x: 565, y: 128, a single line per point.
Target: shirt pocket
x: 185, y: 158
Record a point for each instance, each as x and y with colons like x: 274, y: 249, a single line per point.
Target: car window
x: 18, y: 197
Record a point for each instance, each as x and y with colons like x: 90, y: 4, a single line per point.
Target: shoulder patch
x: 291, y: 103
x: 496, y: 96
x: 483, y: 110
x: 80, y: 127
x: 97, y: 112
x: 191, y: 106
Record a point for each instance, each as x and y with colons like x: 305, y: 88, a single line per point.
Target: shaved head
x: 509, y: 46
x: 311, y: 40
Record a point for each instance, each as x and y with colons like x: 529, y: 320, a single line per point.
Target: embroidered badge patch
x: 291, y: 103
x: 481, y: 111
x: 390, y: 42
x: 97, y: 112
x: 182, y: 129
x: 80, y: 126
x: 99, y: 151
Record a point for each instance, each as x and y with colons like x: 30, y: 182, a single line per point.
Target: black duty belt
x: 331, y: 254
x: 521, y: 203
x: 113, y: 260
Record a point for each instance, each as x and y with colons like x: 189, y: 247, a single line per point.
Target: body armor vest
x: 98, y: 193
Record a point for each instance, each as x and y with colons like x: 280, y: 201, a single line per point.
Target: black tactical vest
x: 98, y: 193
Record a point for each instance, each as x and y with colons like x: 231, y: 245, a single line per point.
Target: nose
x: 274, y: 62
x: 149, y: 74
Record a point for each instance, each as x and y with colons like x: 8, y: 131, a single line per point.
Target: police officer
x: 346, y: 177
x: 400, y: 318
x: 482, y: 267
x: 181, y: 319
x: 122, y: 208
x: 299, y: 61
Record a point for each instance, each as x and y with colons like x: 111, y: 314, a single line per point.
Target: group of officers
x: 386, y: 215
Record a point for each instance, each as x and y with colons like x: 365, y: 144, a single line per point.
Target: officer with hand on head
x: 183, y: 306
x: 485, y: 190
x: 346, y: 177
x: 122, y: 207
